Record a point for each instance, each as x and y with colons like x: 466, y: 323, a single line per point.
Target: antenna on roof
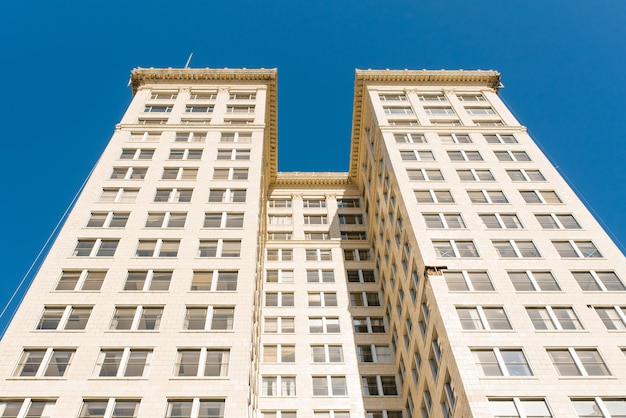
x: 188, y: 60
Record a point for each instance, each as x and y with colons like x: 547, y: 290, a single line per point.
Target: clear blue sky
x: 65, y: 65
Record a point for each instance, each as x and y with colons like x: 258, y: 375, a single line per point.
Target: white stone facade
x: 450, y: 272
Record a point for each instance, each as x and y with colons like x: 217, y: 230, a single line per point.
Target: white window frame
x: 487, y: 196
x: 513, y: 246
x: 95, y: 249
x: 137, y: 317
x: 553, y: 318
x: 158, y: 246
x: 455, y: 250
x: 124, y: 362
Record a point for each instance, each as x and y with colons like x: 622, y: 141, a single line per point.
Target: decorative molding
x: 487, y: 78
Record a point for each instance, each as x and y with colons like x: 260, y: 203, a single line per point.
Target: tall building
x: 450, y: 273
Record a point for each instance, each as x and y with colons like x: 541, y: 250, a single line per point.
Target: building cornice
x: 142, y: 76
x: 486, y: 78
x: 311, y: 178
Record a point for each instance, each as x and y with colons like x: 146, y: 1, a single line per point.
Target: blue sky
x: 65, y: 66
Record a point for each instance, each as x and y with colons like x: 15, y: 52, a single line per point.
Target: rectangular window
x: 280, y: 254
x: 120, y: 195
x: 64, y: 318
x: 463, y: 155
x: 278, y: 325
x: 578, y: 362
x: 392, y: 97
x: 516, y: 249
x: 487, y: 196
x: 148, y: 280
x: 613, y: 318
x: 348, y: 203
x: 501, y: 221
x: 520, y: 156
x: 240, y: 109
x: 173, y: 195
x: 361, y: 276
x: 157, y: 248
x: 370, y: 325
x: 223, y: 220
x: 206, y: 408
x: 108, y: 219
x: 455, y: 139
x: 202, y: 363
x: 409, y: 138
x: 329, y: 386
x: 157, y: 109
x: 220, y: 281
x: 423, y: 174
x: 576, y: 249
x: 166, y: 220
x: 324, y: 325
x: 233, y: 154
x: 128, y: 362
x: 525, y: 175
x: 95, y: 248
x: 230, y: 174
x: 379, y: 385
x: 593, y: 407
x: 136, y: 154
x: 444, y: 220
x: 236, y: 137
x: 502, y: 362
x: 129, y: 173
x: 315, y: 220
x: 483, y: 318
x: 85, y: 280
x: 314, y: 203
x: 278, y: 386
x: 475, y: 175
x: 414, y: 155
x: 431, y: 97
x: 198, y: 109
x: 455, y: 249
x: 326, y: 353
x: 44, y: 363
x: 190, y: 137
x: 468, y: 281
x: 322, y: 299
x: 279, y: 299
x: 557, y: 221
x: 279, y: 276
x: 519, y: 407
x: 554, y: 318
x: 280, y: 353
x: 374, y: 353
x: 185, y: 154
x: 209, y: 318
x: 179, y: 173
x: 364, y: 299
x: 606, y: 281
x: 433, y: 196
x: 203, y: 95
x: 500, y: 139
x: 471, y: 97
x: 533, y: 281
x: 227, y: 196
x: 356, y: 254
x: 144, y: 318
x: 163, y: 95
x: 540, y: 196
x: 439, y: 111
x: 279, y: 203
x: 219, y: 248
